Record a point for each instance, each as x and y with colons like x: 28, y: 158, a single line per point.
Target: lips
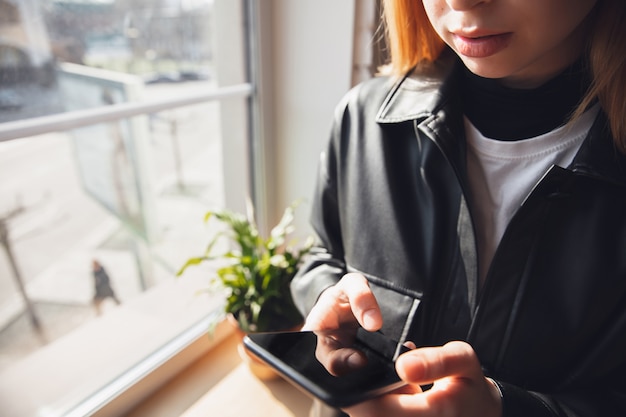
x: 480, y: 46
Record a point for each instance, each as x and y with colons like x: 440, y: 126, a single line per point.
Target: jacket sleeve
x: 595, y: 386
x: 606, y: 402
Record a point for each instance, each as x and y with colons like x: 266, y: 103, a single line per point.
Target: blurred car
x: 10, y: 100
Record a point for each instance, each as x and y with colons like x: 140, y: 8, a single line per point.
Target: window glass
x: 96, y: 220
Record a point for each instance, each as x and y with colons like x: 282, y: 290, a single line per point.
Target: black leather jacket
x: 549, y: 324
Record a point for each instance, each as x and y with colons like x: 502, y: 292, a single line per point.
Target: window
x: 111, y: 150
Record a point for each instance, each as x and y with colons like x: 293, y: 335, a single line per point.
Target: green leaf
x: 256, y: 272
x: 190, y: 262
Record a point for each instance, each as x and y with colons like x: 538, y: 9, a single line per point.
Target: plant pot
x: 257, y: 367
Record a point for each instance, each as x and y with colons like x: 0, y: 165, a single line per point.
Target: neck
x: 504, y: 113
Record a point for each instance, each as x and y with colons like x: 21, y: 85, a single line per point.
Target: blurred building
x: 25, y: 52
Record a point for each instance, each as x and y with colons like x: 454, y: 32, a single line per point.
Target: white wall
x: 306, y: 65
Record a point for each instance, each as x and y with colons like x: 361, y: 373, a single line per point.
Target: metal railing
x: 79, y: 118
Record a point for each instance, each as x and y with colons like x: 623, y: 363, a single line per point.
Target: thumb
x: 427, y: 365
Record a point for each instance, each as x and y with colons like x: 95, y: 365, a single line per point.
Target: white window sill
x: 219, y: 384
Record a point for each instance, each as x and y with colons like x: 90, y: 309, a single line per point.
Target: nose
x: 460, y: 5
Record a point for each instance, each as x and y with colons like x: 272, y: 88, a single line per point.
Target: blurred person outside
x: 102, y: 287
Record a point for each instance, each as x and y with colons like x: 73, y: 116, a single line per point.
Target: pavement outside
x: 62, y: 229
x: 19, y: 338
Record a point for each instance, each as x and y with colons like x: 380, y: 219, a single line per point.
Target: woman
x: 472, y: 204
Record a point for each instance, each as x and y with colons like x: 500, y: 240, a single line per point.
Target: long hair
x: 412, y: 41
x: 607, y: 62
x: 410, y: 37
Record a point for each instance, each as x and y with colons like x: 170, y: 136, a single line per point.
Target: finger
x: 328, y: 311
x: 337, y: 355
x: 362, y: 301
x: 343, y: 361
x: 426, y: 365
x: 405, y: 401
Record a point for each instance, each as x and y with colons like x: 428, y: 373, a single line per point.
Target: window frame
x: 237, y: 94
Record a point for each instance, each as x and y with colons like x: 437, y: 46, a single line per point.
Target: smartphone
x: 299, y: 358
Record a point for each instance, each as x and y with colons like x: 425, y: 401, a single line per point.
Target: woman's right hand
x: 348, y: 303
x: 335, y: 318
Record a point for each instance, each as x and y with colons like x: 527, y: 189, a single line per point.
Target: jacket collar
x: 598, y: 156
x: 420, y: 93
x: 425, y: 94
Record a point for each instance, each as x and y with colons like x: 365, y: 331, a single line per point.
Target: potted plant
x: 256, y: 271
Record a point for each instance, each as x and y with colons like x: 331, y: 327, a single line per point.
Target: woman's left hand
x: 459, y: 386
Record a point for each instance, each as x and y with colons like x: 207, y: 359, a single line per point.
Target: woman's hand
x: 459, y: 386
x: 340, y: 310
x: 348, y: 303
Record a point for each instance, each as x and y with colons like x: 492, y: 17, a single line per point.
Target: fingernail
x: 370, y: 318
x: 409, y: 345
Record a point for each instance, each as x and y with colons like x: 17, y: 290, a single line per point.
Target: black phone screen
x: 299, y: 357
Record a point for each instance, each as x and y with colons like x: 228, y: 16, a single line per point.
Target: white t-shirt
x: 502, y: 174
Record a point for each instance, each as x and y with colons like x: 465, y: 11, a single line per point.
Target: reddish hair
x: 411, y: 38
x: 607, y: 62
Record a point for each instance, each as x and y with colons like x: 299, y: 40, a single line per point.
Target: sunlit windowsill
x: 171, y: 387
x: 129, y: 363
x: 219, y: 384
x: 180, y: 391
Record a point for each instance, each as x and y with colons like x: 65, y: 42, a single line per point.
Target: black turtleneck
x: 504, y: 113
